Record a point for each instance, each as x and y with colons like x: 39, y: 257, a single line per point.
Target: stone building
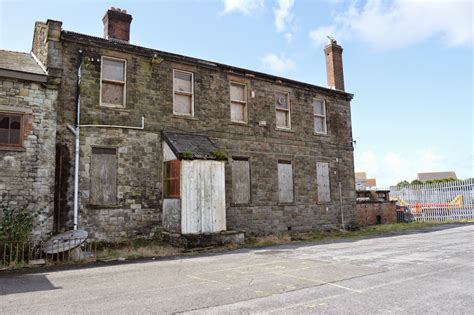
x: 27, y: 138
x: 286, y: 146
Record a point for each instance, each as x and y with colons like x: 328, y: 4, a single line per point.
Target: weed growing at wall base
x: 15, y: 225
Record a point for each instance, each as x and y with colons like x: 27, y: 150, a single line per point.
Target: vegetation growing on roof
x: 186, y: 155
x: 219, y: 155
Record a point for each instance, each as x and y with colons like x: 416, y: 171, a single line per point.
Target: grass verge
x: 331, y: 235
x: 137, y: 249
x: 142, y: 248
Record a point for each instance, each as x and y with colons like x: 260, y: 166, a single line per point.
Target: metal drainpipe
x: 341, y: 209
x: 77, y: 134
x: 340, y: 205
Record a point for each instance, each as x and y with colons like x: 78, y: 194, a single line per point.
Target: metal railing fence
x: 16, y: 254
x: 449, y: 201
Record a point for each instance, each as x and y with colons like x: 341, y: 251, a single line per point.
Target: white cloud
x: 396, y: 169
x: 367, y: 162
x: 247, y: 7
x: 399, y: 23
x: 277, y: 64
x: 284, y: 18
x: 319, y: 35
x: 389, y: 168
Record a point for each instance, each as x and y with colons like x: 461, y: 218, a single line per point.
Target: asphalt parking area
x: 427, y: 272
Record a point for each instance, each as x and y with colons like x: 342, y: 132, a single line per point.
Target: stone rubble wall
x: 27, y: 172
x: 149, y: 94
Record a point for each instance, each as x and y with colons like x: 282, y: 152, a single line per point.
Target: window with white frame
x: 319, y: 112
x: 238, y: 102
x: 282, y: 106
x: 113, y: 81
x: 183, y: 93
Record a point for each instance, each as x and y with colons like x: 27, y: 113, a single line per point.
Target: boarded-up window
x: 238, y: 102
x: 103, y: 176
x: 282, y: 105
x: 113, y: 82
x: 319, y: 112
x: 10, y: 129
x: 240, y: 180
x: 285, y: 181
x: 323, y: 183
x: 171, y: 179
x: 183, y: 87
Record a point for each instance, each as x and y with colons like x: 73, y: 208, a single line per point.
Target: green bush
x: 15, y: 225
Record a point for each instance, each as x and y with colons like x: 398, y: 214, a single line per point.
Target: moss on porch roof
x: 182, y: 144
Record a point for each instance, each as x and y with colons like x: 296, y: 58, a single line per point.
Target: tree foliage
x: 419, y: 182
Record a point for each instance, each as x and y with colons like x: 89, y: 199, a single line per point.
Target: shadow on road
x: 25, y: 283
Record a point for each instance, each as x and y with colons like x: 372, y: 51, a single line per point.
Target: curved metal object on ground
x: 65, y: 241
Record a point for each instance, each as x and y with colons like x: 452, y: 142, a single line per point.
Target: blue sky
x: 408, y: 63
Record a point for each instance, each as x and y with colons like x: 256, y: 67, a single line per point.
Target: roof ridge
x: 16, y: 52
x: 232, y: 69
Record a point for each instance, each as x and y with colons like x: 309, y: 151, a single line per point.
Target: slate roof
x: 19, y: 61
x: 436, y: 175
x: 199, y: 146
x: 20, y: 65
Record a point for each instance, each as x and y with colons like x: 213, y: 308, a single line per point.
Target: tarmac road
x: 427, y: 272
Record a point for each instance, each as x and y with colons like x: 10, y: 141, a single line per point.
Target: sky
x: 409, y: 64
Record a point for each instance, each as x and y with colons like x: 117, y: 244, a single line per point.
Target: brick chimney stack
x: 334, y: 68
x: 117, y: 24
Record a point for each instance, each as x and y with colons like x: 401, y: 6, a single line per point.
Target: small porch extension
x: 194, y: 206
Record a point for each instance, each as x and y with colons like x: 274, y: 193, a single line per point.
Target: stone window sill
x: 286, y: 203
x: 321, y: 134
x: 240, y: 204
x: 15, y: 149
x: 185, y: 117
x: 285, y: 130
x: 113, y: 106
x: 324, y: 203
x: 93, y: 206
x: 242, y: 124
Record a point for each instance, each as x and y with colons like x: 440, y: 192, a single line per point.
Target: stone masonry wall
x: 149, y: 94
x: 27, y: 172
x: 138, y: 193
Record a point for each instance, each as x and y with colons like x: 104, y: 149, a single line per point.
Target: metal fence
x: 449, y: 201
x: 19, y: 254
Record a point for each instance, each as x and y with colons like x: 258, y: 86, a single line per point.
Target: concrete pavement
x: 430, y: 272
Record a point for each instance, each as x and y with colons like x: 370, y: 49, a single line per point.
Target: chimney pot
x: 117, y: 24
x: 334, y: 68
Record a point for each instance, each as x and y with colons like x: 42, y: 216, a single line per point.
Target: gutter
x: 27, y: 76
x: 149, y: 52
